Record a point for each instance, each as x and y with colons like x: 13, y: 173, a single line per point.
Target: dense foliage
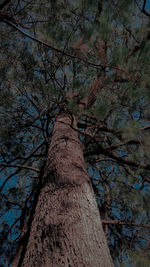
x: 90, y: 58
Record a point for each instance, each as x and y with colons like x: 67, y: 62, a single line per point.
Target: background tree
x: 90, y: 58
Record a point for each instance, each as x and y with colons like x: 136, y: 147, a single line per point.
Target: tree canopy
x: 90, y: 58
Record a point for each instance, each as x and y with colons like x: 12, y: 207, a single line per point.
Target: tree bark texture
x: 66, y: 229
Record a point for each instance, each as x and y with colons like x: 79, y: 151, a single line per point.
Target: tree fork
x: 66, y: 229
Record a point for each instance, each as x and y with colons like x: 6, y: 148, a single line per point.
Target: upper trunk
x: 66, y: 229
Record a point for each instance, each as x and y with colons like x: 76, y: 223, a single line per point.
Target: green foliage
x: 73, y: 107
x: 101, y: 110
x: 104, y: 27
x: 34, y: 80
x: 136, y: 260
x: 131, y: 129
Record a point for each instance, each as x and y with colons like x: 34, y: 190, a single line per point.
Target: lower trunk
x: 66, y: 229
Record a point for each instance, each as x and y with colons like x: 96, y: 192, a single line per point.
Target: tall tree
x: 66, y: 229
x: 80, y: 72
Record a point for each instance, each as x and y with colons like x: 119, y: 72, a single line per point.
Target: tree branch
x: 63, y: 52
x: 143, y: 9
x: 128, y: 142
x: 2, y: 5
x: 126, y: 161
x: 145, y: 128
x: 48, y: 45
x: 115, y: 158
x: 105, y: 159
x: 124, y: 223
x: 19, y: 166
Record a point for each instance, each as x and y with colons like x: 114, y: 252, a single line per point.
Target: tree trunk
x: 66, y: 229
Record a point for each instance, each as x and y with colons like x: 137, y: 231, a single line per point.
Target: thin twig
x: 124, y: 223
x: 19, y: 166
x: 63, y: 52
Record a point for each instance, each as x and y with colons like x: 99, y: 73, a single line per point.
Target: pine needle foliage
x: 53, y: 49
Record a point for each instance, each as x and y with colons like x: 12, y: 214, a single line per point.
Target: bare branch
x: 2, y: 5
x: 19, y: 166
x: 63, y: 52
x: 143, y: 9
x: 122, y: 160
x: 105, y: 159
x: 48, y: 45
x: 124, y: 223
x: 145, y: 128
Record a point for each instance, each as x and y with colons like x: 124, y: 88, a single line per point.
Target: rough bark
x: 66, y: 229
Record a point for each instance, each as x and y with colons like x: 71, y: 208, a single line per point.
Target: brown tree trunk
x: 66, y: 229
